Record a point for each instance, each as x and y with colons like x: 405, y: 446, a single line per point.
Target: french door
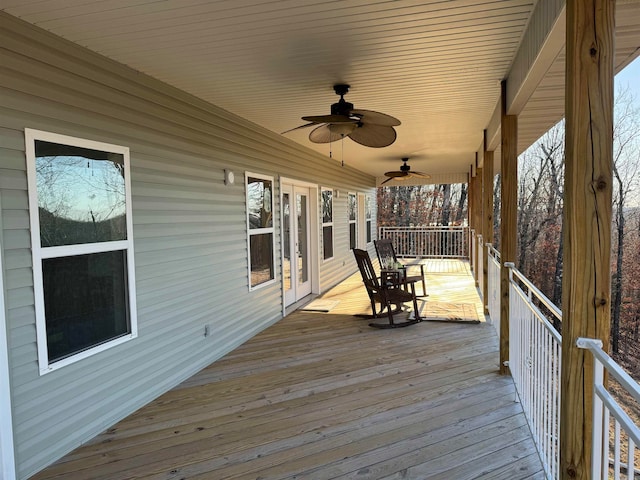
x: 296, y: 243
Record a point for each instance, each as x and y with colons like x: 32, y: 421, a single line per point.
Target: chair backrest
x: 384, y: 249
x: 366, y: 269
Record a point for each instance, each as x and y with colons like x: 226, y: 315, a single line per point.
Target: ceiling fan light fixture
x: 343, y: 128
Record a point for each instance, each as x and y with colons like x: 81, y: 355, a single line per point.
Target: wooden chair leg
x: 416, y: 315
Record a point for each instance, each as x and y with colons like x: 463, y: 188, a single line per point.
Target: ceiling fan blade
x: 387, y: 180
x: 376, y: 118
x: 395, y: 173
x: 376, y: 136
x: 330, y: 119
x: 298, y: 128
x: 420, y: 174
x: 330, y: 133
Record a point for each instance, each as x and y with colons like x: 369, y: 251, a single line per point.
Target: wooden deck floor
x: 324, y: 396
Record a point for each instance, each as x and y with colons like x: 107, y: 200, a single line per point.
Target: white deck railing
x: 613, y: 429
x: 535, y: 365
x: 493, y: 286
x: 535, y: 362
x: 428, y: 242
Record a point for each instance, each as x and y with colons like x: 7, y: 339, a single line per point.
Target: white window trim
x: 256, y: 231
x: 328, y: 224
x: 355, y: 221
x: 39, y: 253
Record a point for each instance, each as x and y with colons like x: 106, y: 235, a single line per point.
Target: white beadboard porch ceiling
x: 435, y: 65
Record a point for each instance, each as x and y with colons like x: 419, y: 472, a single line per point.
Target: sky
x: 630, y: 77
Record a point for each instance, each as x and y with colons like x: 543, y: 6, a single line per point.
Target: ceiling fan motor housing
x: 342, y: 108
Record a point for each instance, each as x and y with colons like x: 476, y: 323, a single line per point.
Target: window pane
x: 352, y: 207
x: 81, y: 195
x: 86, y: 301
x: 259, y: 203
x: 352, y: 235
x: 327, y: 241
x: 327, y: 206
x: 261, y: 258
x: 368, y: 231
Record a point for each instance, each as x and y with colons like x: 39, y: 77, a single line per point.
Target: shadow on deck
x: 324, y: 396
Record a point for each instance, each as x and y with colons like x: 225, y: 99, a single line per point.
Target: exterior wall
x: 189, y: 229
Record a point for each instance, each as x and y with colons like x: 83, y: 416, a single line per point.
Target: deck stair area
x: 324, y: 396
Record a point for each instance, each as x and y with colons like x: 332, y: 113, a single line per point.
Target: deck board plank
x: 322, y: 396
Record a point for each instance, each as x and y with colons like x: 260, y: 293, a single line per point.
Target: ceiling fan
x: 404, y: 173
x: 366, y: 127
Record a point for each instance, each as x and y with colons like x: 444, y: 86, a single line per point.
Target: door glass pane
x: 85, y: 301
x: 286, y: 266
x: 81, y: 195
x: 303, y: 273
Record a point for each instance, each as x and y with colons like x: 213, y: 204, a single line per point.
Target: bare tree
x: 626, y: 164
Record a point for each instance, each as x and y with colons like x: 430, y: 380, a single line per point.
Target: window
x: 367, y: 210
x: 260, y: 227
x: 352, y: 210
x: 327, y: 223
x: 82, y: 246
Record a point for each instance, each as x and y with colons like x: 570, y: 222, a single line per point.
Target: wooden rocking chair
x: 387, y: 290
x: 384, y: 249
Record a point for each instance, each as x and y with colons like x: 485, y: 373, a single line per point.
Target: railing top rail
x: 539, y: 295
x: 493, y: 251
x: 615, y: 370
x: 425, y: 228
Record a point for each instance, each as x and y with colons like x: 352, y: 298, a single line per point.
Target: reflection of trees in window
x: 259, y: 203
x: 327, y: 206
x: 83, y: 255
x: 260, y: 221
x: 327, y: 223
x: 352, y: 211
x: 81, y: 195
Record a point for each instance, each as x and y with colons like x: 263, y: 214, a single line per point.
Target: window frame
x: 259, y: 231
x: 327, y: 224
x: 40, y: 253
x: 353, y: 221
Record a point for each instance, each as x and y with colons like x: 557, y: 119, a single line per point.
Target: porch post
x: 470, y: 216
x: 479, y: 224
x: 586, y: 284
x: 508, y: 217
x: 487, y: 216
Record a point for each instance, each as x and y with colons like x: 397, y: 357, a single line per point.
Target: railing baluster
x: 631, y: 455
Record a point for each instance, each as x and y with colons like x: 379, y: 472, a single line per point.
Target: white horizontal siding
x: 189, y: 233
